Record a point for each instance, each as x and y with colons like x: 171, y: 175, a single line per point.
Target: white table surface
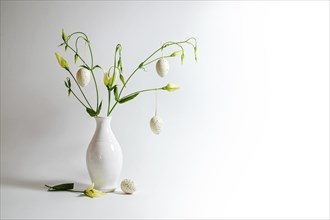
x: 247, y: 136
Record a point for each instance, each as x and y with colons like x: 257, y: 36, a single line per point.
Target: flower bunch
x: 87, y: 70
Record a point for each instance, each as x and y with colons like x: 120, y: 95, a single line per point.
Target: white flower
x: 83, y: 77
x: 162, y: 67
x: 156, y: 124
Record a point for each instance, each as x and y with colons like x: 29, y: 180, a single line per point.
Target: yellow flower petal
x: 107, y: 79
x: 171, y: 87
x: 63, y: 63
x: 93, y: 193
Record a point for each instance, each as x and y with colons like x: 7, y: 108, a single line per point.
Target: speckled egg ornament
x: 128, y: 186
x: 162, y: 67
x: 83, y: 77
x: 156, y: 123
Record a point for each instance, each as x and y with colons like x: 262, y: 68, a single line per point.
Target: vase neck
x: 103, y: 123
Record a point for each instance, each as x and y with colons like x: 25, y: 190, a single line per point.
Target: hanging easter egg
x: 156, y: 124
x: 162, y: 67
x: 83, y: 77
x: 128, y: 186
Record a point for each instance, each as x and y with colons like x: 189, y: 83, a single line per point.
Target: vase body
x: 104, y: 156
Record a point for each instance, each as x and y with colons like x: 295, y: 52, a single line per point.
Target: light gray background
x: 247, y: 136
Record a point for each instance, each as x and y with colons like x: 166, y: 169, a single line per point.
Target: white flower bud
x: 162, y: 67
x: 83, y: 77
x: 156, y: 124
x: 127, y: 186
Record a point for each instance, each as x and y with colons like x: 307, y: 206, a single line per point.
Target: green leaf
x: 115, y: 91
x: 195, y: 52
x: 182, y: 57
x: 122, y: 79
x: 61, y: 45
x: 86, y: 67
x: 61, y: 187
x: 118, y: 47
x: 63, y: 35
x: 69, y: 92
x: 113, y: 78
x: 69, y: 82
x: 63, y: 63
x: 111, y: 88
x: 141, y: 65
x: 91, y: 112
x: 66, y: 84
x: 66, y: 47
x: 120, y: 67
x: 99, y: 109
x: 128, y: 97
x: 96, y: 66
x: 76, y: 58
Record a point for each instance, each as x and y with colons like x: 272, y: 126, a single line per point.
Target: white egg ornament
x: 156, y: 124
x: 162, y: 67
x: 128, y: 186
x: 83, y: 77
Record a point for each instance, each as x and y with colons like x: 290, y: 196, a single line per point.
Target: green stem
x: 132, y: 74
x: 147, y: 90
x: 77, y: 42
x: 76, y: 52
x: 109, y: 98
x: 92, y: 62
x: 80, y: 89
x: 144, y: 64
x: 78, y: 55
x: 77, y: 33
x: 112, y: 81
x: 156, y: 60
x: 78, y: 99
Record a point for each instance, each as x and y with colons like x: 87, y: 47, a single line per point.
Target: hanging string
x: 156, y: 102
x: 162, y: 50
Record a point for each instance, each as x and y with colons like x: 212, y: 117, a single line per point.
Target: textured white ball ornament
x: 127, y: 186
x: 156, y: 124
x: 83, y: 77
x: 162, y: 67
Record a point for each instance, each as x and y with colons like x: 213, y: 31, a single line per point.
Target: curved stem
x: 78, y: 32
x: 193, y: 39
x: 123, y: 89
x: 143, y: 64
x: 178, y: 44
x: 132, y: 74
x: 82, y: 60
x: 77, y: 43
x: 76, y: 52
x: 156, y: 60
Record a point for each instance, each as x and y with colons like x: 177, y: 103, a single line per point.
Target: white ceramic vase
x: 104, y: 157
